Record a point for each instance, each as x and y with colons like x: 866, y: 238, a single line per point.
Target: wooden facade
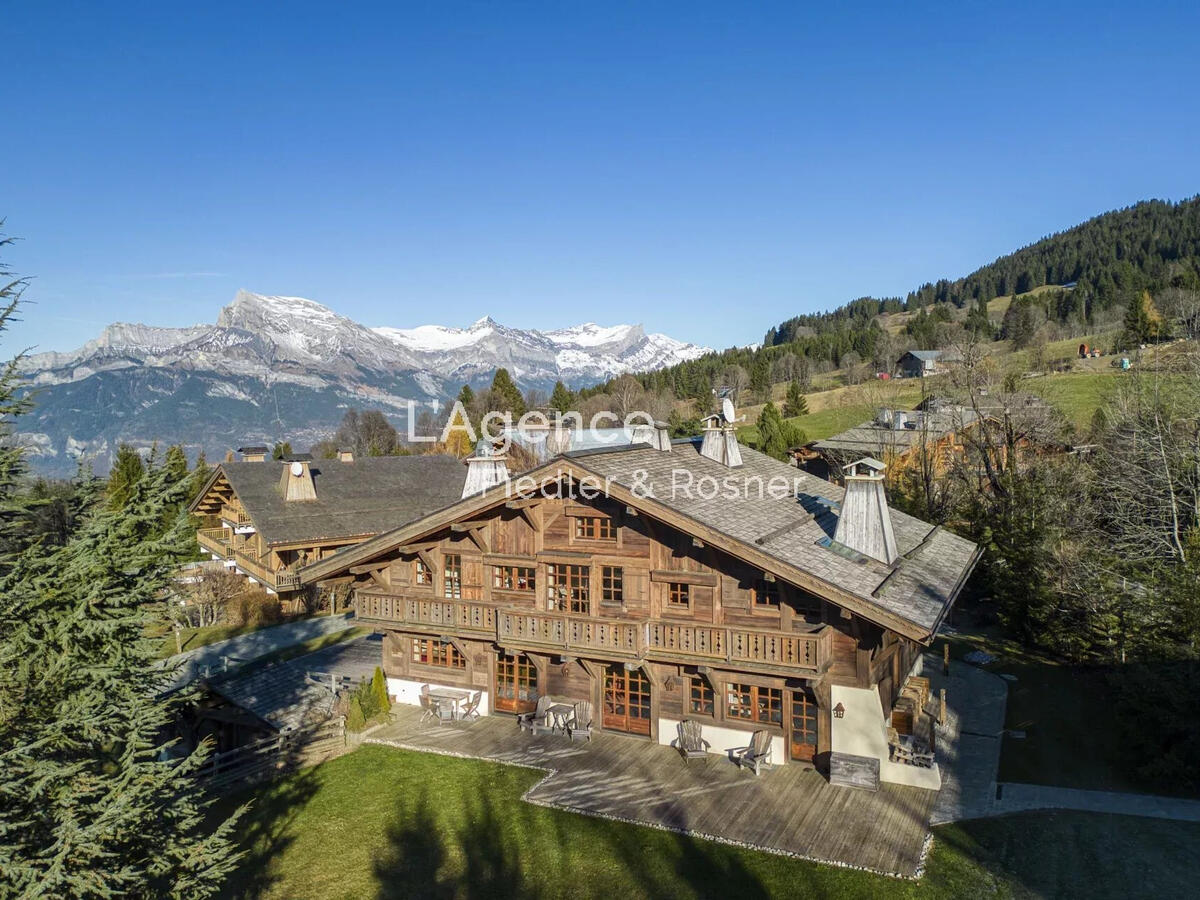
x: 227, y: 531
x: 595, y: 599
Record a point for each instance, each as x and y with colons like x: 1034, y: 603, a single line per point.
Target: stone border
x: 917, y: 874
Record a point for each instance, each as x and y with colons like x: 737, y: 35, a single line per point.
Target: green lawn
x: 191, y: 638
x: 1077, y: 395
x: 390, y: 823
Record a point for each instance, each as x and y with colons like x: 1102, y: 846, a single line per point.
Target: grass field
x: 191, y: 638
x: 390, y: 823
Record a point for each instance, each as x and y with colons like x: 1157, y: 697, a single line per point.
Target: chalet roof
x: 927, y: 355
x: 798, y: 530
x: 790, y: 534
x: 354, y: 499
x: 871, y: 437
x: 281, y: 694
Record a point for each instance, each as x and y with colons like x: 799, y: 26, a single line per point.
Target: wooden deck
x: 788, y: 810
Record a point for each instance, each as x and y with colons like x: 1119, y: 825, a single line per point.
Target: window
x: 595, y: 528
x: 513, y: 578
x: 679, y: 595
x: 752, y: 703
x: 569, y: 589
x: 766, y: 594
x: 423, y: 574
x: 432, y: 652
x: 452, y: 577
x: 612, y: 585
x: 703, y: 701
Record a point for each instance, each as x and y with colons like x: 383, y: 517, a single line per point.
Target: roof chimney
x: 254, y: 453
x: 657, y: 435
x: 345, y: 454
x: 484, y: 469
x: 865, y: 522
x: 296, y: 483
x: 720, y: 441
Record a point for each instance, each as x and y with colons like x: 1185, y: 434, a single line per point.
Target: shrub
x: 355, y: 719
x: 255, y: 607
x: 379, y: 691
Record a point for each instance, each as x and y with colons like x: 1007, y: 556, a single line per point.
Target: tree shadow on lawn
x: 512, y: 848
x: 267, y: 830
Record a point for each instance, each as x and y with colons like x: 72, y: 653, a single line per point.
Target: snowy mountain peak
x: 287, y: 368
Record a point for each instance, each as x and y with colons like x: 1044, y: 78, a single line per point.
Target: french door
x: 516, y: 683
x: 626, y: 700
x: 804, y: 726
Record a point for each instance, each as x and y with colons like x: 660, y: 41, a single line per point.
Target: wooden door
x: 626, y: 700
x: 516, y: 683
x: 803, y: 736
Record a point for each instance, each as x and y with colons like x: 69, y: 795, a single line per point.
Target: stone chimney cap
x: 254, y: 448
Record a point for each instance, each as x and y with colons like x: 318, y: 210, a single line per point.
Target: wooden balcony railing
x: 276, y: 579
x: 236, y: 516
x: 216, y: 540
x: 619, y: 638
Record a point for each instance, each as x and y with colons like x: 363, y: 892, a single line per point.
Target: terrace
x: 790, y: 810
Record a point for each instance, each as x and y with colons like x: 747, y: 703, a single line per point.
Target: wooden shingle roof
x: 354, y: 499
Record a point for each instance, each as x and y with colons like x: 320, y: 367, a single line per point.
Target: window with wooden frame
x: 702, y: 700
x: 452, y: 576
x: 432, y: 652
x: 422, y: 574
x: 595, y: 528
x: 569, y: 588
x: 514, y: 578
x: 679, y: 595
x: 612, y: 585
x: 766, y: 594
x: 752, y: 703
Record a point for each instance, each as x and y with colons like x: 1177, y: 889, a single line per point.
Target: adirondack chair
x: 538, y: 721
x: 471, y: 710
x: 580, y: 725
x: 757, y: 755
x: 690, y: 744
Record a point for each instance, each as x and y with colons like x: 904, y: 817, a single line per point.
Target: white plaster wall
x: 863, y: 732
x: 409, y: 692
x: 722, y: 739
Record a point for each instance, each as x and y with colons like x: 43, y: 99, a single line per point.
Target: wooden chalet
x: 267, y: 518
x: 666, y: 581
x: 896, y: 437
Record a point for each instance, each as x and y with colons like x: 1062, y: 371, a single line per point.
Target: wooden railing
x: 236, y: 516
x: 216, y: 540
x: 464, y: 615
x: 619, y: 638
x: 276, y: 579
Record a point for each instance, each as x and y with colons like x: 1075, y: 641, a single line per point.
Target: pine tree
x: 506, y: 396
x: 775, y: 435
x: 561, y: 398
x: 281, y: 450
x: 796, y: 403
x: 13, y: 531
x: 127, y: 471
x: 96, y: 803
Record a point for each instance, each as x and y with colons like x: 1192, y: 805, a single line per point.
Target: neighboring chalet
x: 665, y: 581
x: 894, y: 436
x: 266, y: 518
x: 919, y: 363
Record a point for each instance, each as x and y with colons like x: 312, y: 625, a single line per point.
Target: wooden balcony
x: 277, y: 580
x: 802, y: 653
x: 237, y: 516
x: 216, y: 540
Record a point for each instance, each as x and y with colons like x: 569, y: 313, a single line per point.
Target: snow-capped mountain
x: 286, y: 368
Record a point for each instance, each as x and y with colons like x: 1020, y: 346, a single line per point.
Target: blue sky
x: 705, y: 169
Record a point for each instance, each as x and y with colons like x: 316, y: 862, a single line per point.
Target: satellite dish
x: 728, y: 410
x: 297, y: 469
